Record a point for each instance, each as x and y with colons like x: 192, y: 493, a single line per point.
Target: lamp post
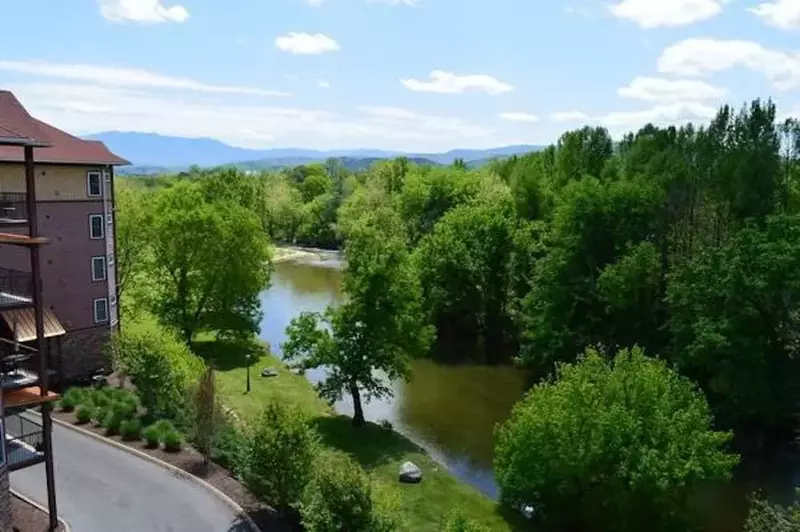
x: 247, y: 357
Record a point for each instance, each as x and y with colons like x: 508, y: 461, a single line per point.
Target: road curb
x: 35, y: 504
x: 169, y: 467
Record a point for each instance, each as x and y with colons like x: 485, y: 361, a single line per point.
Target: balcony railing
x: 16, y: 288
x: 24, y: 440
x: 13, y: 208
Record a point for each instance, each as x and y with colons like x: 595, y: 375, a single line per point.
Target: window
x: 96, y: 231
x: 98, y: 268
x: 101, y: 310
x: 94, y: 184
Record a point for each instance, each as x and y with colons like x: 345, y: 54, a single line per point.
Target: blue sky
x: 417, y: 75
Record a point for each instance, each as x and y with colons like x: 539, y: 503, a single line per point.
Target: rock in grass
x: 269, y: 372
x: 410, y: 473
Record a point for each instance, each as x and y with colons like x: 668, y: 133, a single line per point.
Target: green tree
x: 211, y: 260
x: 205, y: 408
x: 367, y: 341
x: 610, y: 446
x: 277, y: 456
x: 160, y: 366
x: 132, y: 231
x: 341, y: 497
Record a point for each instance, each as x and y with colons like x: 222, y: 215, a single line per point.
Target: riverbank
x: 294, y: 253
x: 380, y: 451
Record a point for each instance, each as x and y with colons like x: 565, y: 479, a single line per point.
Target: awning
x: 23, y: 321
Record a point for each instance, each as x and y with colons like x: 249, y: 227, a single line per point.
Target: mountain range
x: 154, y: 153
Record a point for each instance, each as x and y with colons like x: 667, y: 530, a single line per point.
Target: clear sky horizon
x: 412, y: 75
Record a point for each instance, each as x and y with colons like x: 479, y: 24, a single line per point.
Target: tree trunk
x: 358, y: 411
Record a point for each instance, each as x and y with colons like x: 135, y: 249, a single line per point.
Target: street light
x: 247, y: 357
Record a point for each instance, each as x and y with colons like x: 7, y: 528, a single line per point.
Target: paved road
x: 100, y: 488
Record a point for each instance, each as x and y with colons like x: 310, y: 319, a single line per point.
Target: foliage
x: 379, y: 326
x: 172, y: 441
x: 113, y: 421
x: 152, y: 436
x: 205, y: 409
x: 84, y: 414
x: 131, y: 430
x: 211, y: 260
x: 340, y: 496
x: 277, y: 457
x: 610, y: 446
x: 161, y: 367
x: 68, y: 403
x: 767, y: 517
x: 456, y: 522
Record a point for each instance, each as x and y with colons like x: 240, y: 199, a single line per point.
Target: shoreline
x: 287, y: 253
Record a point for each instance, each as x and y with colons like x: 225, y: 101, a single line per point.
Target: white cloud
x: 783, y: 14
x: 651, y: 14
x: 306, y: 43
x: 699, y: 57
x: 620, y: 122
x: 146, y: 11
x: 85, y: 108
x: 570, y: 116
x: 323, y: 84
x: 125, y: 77
x: 449, y: 83
x: 518, y: 117
x: 665, y: 90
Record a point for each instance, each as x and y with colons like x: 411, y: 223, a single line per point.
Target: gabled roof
x: 57, y: 146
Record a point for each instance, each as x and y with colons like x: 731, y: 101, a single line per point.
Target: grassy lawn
x: 379, y: 450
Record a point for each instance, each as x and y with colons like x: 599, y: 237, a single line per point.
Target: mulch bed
x: 191, y: 461
x: 28, y: 518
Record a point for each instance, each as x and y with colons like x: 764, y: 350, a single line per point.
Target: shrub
x: 607, y: 446
x: 126, y: 408
x: 340, y: 497
x: 160, y: 365
x: 84, y: 414
x: 164, y: 426
x: 67, y: 404
x: 226, y: 445
x: 131, y: 430
x: 152, y: 436
x: 456, y: 522
x: 71, y: 399
x: 766, y: 517
x: 172, y: 441
x: 112, y: 422
x: 99, y: 414
x: 278, y: 455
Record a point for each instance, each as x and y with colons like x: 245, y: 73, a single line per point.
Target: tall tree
x: 368, y: 340
x: 211, y: 260
x: 133, y: 231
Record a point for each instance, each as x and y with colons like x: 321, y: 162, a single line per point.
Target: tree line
x: 676, y: 245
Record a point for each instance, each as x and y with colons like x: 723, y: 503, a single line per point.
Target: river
x: 449, y: 410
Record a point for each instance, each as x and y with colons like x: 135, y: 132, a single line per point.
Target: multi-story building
x: 74, y: 181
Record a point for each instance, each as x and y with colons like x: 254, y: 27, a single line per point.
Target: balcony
x: 24, y: 443
x: 13, y: 209
x: 16, y: 289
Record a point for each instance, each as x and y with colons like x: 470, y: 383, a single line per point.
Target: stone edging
x: 35, y: 504
x: 169, y: 467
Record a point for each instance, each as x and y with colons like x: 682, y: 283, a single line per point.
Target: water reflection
x: 451, y: 411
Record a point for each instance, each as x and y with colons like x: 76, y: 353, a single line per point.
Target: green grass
x: 423, y: 506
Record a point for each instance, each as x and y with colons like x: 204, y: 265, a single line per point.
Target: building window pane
x: 94, y: 184
x: 98, y: 268
x: 101, y: 310
x: 96, y: 230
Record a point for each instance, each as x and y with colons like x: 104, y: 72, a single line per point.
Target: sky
x: 413, y: 75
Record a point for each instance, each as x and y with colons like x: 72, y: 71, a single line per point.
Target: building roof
x: 18, y: 127
x: 22, y: 323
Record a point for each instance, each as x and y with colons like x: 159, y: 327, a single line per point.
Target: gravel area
x: 28, y: 518
x: 191, y: 461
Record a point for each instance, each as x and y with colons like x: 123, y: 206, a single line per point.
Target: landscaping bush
x: 456, y: 522
x: 67, y: 404
x: 226, y: 445
x: 152, y: 436
x: 99, y: 414
x: 766, y: 517
x: 160, y: 365
x: 164, y: 426
x: 112, y: 422
x: 84, y: 414
x: 277, y: 456
x: 75, y: 396
x: 610, y: 445
x: 340, y: 496
x: 172, y: 441
x: 131, y: 430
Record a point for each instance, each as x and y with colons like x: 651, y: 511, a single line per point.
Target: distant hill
x: 153, y: 153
